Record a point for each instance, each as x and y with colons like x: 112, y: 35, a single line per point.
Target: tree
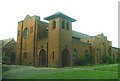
x: 80, y: 62
x: 4, y: 58
x: 88, y: 58
x: 107, y: 58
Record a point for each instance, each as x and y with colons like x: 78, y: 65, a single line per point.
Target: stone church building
x: 55, y: 44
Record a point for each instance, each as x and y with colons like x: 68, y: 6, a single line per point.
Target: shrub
x: 81, y: 62
x: 107, y: 59
x: 87, y: 60
x: 4, y: 58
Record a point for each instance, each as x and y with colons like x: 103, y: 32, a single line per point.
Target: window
x: 90, y: 49
x: 88, y: 41
x: 74, y: 53
x: 31, y: 29
x: 63, y: 24
x: 103, y: 43
x: 26, y: 32
x: 97, y: 49
x: 54, y: 24
x: 53, y: 55
x: 67, y: 26
x: 47, y: 29
x: 86, y: 51
x: 18, y: 33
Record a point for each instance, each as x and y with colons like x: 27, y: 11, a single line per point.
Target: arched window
x: 54, y: 24
x: 63, y: 24
x: 19, y: 33
x: 103, y: 43
x: 88, y: 41
x: 67, y: 25
x: 53, y: 55
x: 74, y: 53
x: 26, y: 33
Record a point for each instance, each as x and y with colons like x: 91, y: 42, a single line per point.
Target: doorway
x: 42, y: 58
x: 65, y: 58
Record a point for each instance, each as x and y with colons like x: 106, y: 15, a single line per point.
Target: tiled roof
x: 5, y: 41
x: 79, y: 35
x: 59, y: 14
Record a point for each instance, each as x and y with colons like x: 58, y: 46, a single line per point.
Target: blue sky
x: 93, y: 16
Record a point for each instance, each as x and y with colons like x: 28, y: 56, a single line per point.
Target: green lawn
x: 81, y: 72
x: 110, y: 68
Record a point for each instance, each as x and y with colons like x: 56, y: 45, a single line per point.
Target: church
x: 55, y: 44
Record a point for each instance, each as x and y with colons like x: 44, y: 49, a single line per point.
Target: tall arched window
x: 26, y: 33
x: 67, y: 25
x: 63, y: 24
x: 18, y: 32
x: 74, y: 53
x: 53, y: 55
x: 54, y: 24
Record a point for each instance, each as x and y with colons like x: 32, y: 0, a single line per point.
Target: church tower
x: 27, y: 40
x: 59, y: 40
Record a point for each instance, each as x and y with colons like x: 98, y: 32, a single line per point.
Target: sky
x: 93, y: 16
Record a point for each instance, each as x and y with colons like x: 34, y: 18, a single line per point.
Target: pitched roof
x: 5, y: 41
x: 59, y: 14
x: 79, y: 35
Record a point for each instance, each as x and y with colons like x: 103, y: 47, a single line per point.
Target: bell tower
x: 59, y: 40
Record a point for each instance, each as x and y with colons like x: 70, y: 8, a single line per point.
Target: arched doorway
x: 12, y: 58
x: 42, y: 58
x: 65, y: 58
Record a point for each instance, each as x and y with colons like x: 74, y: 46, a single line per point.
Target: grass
x: 110, y: 68
x: 81, y: 72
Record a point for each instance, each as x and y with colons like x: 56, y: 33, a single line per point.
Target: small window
x: 47, y: 29
x: 88, y: 41
x: 103, y: 43
x: 67, y: 26
x: 74, y: 53
x: 31, y: 29
x: 18, y: 33
x: 53, y: 55
x: 63, y: 24
x: 97, y: 49
x: 90, y: 48
x: 86, y: 51
x: 54, y: 24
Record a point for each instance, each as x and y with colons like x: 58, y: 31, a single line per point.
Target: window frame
x: 26, y: 33
x: 63, y: 24
x: 53, y: 24
x: 67, y: 26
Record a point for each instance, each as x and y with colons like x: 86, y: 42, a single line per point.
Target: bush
x: 81, y: 62
x: 4, y: 58
x: 107, y: 59
x: 118, y: 60
x: 87, y: 60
